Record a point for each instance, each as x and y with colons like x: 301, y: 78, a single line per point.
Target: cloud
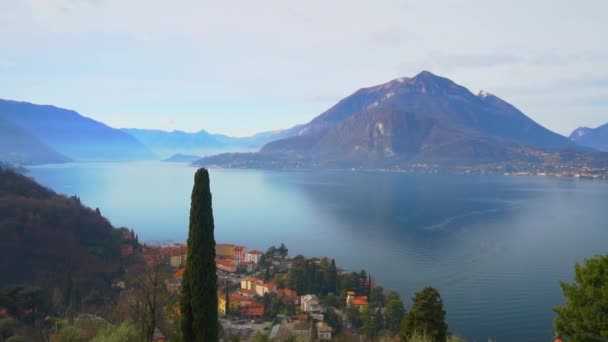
x: 450, y: 62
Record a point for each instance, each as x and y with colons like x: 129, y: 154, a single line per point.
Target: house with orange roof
x: 288, y: 296
x: 236, y: 301
x: 225, y: 265
x: 179, y: 274
x: 239, y: 253
x: 359, y: 302
x: 247, y: 293
x: 176, y: 254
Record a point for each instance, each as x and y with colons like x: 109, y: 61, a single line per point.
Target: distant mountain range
x: 202, y: 142
x: 596, y: 138
x: 422, y: 119
x: 18, y: 146
x: 62, y: 134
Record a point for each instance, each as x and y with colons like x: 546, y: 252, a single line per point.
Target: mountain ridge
x: 596, y: 138
x: 425, y: 118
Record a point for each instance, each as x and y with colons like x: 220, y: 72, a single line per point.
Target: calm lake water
x: 496, y: 247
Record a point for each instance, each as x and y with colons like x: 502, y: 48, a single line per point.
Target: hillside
x: 45, y: 236
x: 596, y: 138
x: 423, y: 119
x: 71, y: 134
x: 20, y: 147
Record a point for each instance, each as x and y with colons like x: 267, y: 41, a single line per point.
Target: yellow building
x: 224, y: 250
x: 250, y: 283
x: 236, y: 301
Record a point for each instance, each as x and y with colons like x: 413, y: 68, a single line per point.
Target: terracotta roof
x: 178, y: 249
x: 252, y: 279
x: 351, y: 293
x: 360, y: 300
x: 223, y: 262
x: 239, y: 248
x: 179, y: 273
x: 242, y: 290
x: 255, y: 251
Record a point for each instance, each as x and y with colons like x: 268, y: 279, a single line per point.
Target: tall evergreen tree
x: 199, y: 286
x: 426, y: 317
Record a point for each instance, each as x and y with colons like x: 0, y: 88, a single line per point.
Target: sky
x: 241, y: 67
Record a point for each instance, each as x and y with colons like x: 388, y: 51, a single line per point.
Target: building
x: 239, y: 253
x: 254, y: 256
x: 247, y: 293
x: 249, y: 283
x: 262, y: 289
x: 126, y: 250
x: 177, y: 254
x: 360, y: 302
x: 324, y: 331
x: 246, y: 266
x: 236, y: 302
x: 288, y: 296
x: 225, y: 251
x: 310, y: 303
x: 225, y: 265
x: 252, y: 310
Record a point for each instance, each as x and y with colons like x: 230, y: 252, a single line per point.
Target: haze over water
x: 496, y: 247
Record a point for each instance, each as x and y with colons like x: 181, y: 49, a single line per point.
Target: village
x: 253, y: 299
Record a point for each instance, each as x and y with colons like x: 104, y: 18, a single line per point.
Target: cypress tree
x: 199, y: 301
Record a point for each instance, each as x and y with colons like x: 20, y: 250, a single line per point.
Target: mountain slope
x: 596, y: 138
x: 20, y: 147
x: 422, y: 119
x: 421, y: 114
x: 76, y: 136
x: 45, y: 236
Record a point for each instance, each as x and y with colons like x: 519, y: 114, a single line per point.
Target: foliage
x: 354, y: 317
x: 584, y: 317
x: 394, y: 312
x: 377, y: 296
x: 69, y: 334
x: 66, y: 237
x: 372, y: 321
x: 426, y: 316
x: 199, y: 286
x: 15, y: 339
x: 260, y: 337
x: 126, y: 332
x: 333, y: 320
x: 8, y: 327
x: 312, y: 276
x: 26, y: 303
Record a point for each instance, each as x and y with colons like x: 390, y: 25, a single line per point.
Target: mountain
x: 45, y: 236
x: 181, y: 158
x: 201, y: 142
x: 423, y: 119
x: 596, y: 138
x: 71, y: 134
x: 17, y: 146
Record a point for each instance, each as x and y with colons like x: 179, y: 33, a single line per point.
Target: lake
x: 496, y: 247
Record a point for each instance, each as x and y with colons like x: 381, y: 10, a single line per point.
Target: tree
x: 394, y: 312
x: 8, y: 326
x: 147, y: 296
x: 426, y: 316
x: 282, y: 251
x: 372, y: 322
x: 377, y: 296
x: 126, y: 332
x: 199, y: 285
x: 584, y: 316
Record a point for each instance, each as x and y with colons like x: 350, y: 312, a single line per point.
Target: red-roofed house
x: 252, y: 310
x: 247, y: 293
x: 253, y: 256
x: 225, y: 265
x: 249, y: 283
x: 179, y: 274
x: 177, y: 254
x: 360, y: 302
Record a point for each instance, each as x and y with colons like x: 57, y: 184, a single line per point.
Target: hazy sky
x: 240, y: 67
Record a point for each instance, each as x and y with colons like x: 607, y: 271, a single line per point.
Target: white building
x: 310, y: 303
x: 253, y: 256
x: 324, y: 331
